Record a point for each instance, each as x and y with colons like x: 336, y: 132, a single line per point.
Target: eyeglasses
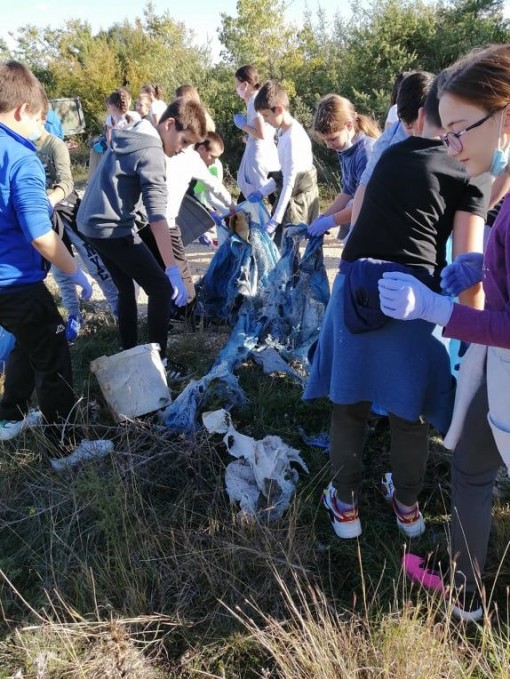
x: 452, y: 139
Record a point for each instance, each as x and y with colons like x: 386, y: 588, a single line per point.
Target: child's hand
x: 79, y: 279
x: 255, y: 197
x: 271, y: 227
x: 180, y: 294
x: 320, y: 225
x: 218, y: 219
x: 240, y: 120
x: 464, y: 272
x: 404, y: 297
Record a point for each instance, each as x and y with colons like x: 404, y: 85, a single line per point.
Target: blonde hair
x: 334, y: 111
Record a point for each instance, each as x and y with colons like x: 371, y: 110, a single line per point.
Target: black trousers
x: 408, y: 452
x: 128, y: 259
x: 179, y: 255
x: 40, y: 358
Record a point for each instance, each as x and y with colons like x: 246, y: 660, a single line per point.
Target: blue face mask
x: 500, y: 157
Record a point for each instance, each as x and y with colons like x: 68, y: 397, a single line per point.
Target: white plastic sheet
x: 261, y: 478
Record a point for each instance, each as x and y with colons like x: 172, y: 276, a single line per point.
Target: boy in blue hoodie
x: 40, y: 358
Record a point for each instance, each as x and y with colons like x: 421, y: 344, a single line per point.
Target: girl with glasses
x: 475, y: 112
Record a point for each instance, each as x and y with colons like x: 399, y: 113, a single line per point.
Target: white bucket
x: 133, y: 382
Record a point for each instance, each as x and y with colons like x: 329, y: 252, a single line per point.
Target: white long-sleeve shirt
x: 180, y: 170
x: 295, y: 154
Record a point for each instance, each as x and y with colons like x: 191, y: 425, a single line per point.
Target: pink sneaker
x: 464, y: 605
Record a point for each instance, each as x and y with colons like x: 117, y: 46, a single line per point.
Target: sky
x: 203, y: 16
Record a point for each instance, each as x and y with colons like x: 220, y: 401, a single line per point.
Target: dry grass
x: 136, y: 565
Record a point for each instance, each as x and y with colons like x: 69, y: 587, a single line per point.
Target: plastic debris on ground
x: 219, y: 385
x: 261, y: 478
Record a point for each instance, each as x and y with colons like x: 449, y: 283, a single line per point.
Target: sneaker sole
x: 467, y: 616
x: 413, y: 530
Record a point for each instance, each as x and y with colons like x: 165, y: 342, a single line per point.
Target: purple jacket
x: 492, y: 325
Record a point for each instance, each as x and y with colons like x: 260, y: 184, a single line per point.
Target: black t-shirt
x: 409, y: 205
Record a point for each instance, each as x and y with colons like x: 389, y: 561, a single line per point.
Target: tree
x: 465, y: 24
x: 256, y: 36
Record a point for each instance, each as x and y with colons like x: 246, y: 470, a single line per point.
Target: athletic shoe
x: 388, y: 487
x: 465, y: 606
x: 73, y: 327
x: 411, y: 524
x: 9, y: 429
x: 86, y: 450
x: 346, y: 523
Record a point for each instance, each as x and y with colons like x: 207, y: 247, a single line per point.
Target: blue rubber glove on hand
x: 255, y: 197
x: 464, y: 272
x: 180, y: 294
x: 79, y: 278
x: 271, y: 227
x: 404, y: 297
x: 320, y: 225
x: 240, y: 120
x: 218, y: 219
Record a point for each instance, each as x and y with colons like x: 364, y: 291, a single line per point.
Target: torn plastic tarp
x: 261, y: 479
x: 218, y: 384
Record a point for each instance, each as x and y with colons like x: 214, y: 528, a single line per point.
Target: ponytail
x: 366, y: 125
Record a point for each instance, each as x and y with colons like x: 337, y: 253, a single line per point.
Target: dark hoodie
x: 134, y: 167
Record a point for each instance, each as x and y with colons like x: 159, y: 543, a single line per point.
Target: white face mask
x: 241, y: 89
x: 37, y: 132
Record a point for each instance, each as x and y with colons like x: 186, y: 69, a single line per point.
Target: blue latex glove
x: 464, y: 272
x: 79, y: 278
x: 255, y: 197
x: 218, y: 219
x: 180, y: 294
x: 240, y: 120
x: 271, y: 227
x: 320, y: 225
x: 404, y: 297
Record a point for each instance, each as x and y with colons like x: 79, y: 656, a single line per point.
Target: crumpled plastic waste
x: 219, y: 385
x: 271, y: 362
x: 261, y: 478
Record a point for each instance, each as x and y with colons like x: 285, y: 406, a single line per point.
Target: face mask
x: 36, y: 134
x: 500, y: 157
x: 240, y: 89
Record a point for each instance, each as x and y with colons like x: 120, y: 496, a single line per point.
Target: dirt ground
x: 199, y: 257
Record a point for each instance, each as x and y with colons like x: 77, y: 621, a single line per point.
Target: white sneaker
x: 86, y: 450
x: 412, y: 525
x: 9, y: 429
